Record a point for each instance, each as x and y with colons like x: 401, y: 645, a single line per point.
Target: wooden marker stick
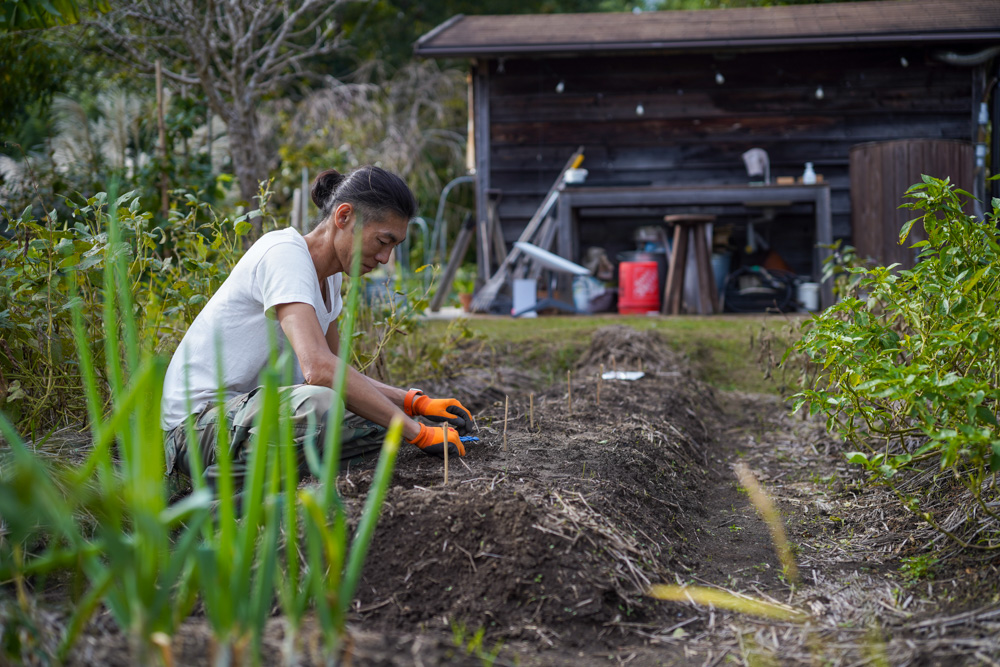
x: 531, y: 410
x: 506, y: 407
x: 446, y: 448
x: 569, y: 394
x: 600, y: 381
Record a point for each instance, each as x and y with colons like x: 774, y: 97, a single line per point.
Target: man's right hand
x: 430, y: 440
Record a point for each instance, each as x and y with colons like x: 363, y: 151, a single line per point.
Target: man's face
x: 378, y: 237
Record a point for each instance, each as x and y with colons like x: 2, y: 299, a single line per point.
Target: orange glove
x: 438, y: 410
x: 430, y: 440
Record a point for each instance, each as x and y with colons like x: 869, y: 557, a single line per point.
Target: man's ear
x: 343, y: 215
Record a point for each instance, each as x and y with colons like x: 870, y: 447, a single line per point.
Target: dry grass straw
x: 769, y: 513
x: 715, y: 597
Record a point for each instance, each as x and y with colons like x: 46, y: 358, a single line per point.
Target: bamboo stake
x: 446, y: 447
x: 531, y: 410
x: 162, y: 144
x: 600, y: 381
x: 569, y: 394
x: 506, y: 406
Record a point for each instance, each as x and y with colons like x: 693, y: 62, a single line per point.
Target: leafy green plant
x: 918, y: 568
x: 909, y: 374
x: 107, y: 519
x: 51, y: 266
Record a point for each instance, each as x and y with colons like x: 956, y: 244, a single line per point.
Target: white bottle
x: 809, y: 176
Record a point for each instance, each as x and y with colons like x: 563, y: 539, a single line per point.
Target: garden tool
x: 430, y: 440
x: 438, y: 410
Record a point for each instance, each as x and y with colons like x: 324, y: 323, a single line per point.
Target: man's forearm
x: 394, y: 394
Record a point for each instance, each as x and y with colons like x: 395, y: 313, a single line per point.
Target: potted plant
x: 465, y: 284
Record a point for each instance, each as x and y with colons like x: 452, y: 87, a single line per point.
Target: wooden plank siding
x: 694, y: 130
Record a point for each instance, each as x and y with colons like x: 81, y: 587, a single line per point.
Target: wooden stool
x: 673, y: 293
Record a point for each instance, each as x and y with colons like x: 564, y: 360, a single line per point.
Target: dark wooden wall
x: 694, y: 129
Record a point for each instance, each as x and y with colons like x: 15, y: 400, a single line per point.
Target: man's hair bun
x: 325, y: 185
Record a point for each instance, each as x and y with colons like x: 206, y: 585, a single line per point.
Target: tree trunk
x: 249, y: 164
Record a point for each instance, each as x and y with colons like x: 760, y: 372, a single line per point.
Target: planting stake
x: 569, y: 394
x: 531, y: 410
x: 600, y: 381
x: 506, y: 407
x: 446, y: 447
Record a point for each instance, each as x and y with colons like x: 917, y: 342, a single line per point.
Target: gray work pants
x: 310, y: 406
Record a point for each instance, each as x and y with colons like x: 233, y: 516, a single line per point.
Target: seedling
x: 531, y: 410
x: 447, y: 446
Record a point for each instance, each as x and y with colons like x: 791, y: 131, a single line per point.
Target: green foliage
x: 910, y: 367
x: 917, y: 568
x: 37, y: 14
x: 473, y: 644
x: 107, y: 521
x: 31, y: 71
x: 48, y: 269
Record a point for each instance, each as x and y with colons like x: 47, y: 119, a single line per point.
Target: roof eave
x: 431, y: 51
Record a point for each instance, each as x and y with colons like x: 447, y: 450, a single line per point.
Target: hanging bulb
x: 719, y: 79
x: 819, y: 93
x: 904, y: 62
x: 639, y: 109
x: 561, y: 86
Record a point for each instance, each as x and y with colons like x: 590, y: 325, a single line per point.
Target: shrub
x: 909, y: 369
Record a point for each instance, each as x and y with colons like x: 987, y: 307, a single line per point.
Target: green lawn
x: 723, y: 349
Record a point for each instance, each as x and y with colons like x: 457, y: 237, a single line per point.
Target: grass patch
x: 723, y: 349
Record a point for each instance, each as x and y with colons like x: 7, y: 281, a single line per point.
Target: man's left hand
x: 439, y: 410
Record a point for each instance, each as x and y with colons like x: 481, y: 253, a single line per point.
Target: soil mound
x: 556, y: 538
x: 626, y: 348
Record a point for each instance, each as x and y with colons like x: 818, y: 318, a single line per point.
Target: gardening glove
x: 430, y: 440
x: 438, y: 410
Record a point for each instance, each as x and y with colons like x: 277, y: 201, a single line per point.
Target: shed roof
x: 836, y: 24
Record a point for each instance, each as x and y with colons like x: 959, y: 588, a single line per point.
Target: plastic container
x: 639, y: 289
x: 807, y: 294
x: 658, y: 256
x: 809, y: 176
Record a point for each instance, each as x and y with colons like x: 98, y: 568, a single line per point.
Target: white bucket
x: 808, y: 295
x: 525, y: 294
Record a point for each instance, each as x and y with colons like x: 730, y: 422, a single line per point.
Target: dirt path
x: 541, y: 554
x: 550, y: 546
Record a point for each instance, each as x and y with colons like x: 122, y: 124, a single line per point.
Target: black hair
x: 372, y: 190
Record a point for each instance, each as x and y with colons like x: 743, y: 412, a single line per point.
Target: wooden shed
x: 669, y: 101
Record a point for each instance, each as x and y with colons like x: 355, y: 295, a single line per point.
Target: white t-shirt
x: 277, y: 269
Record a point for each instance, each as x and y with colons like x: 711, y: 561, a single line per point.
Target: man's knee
x: 311, y: 403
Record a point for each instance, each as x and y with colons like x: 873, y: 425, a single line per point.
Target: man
x: 287, y: 286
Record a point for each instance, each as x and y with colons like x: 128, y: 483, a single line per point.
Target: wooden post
x: 446, y: 447
x: 600, y: 381
x: 506, y: 407
x: 569, y: 394
x: 164, y: 201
